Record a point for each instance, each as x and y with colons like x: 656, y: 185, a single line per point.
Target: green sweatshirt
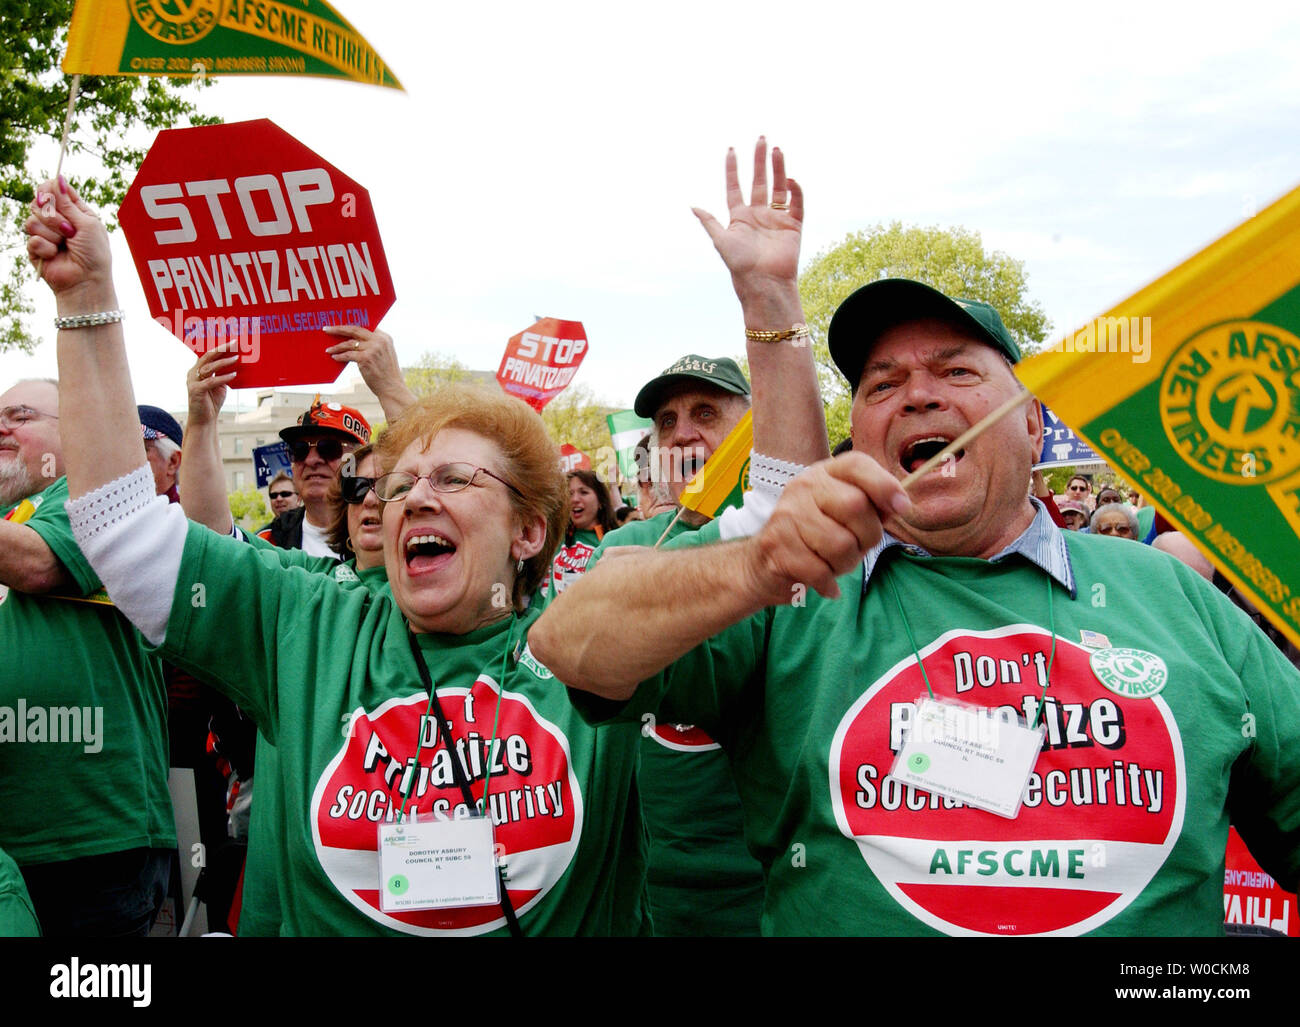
x: 1125, y: 817
x: 83, y: 714
x: 702, y: 880
x: 327, y: 674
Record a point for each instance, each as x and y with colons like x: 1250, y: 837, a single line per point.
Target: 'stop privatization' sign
x: 573, y: 459
x: 540, y: 362
x: 241, y: 233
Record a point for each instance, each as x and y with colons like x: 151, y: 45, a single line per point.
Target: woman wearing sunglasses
x: 356, y: 534
x: 420, y: 698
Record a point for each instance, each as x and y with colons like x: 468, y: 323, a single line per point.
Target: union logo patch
x: 1230, y: 402
x: 1132, y: 673
x: 177, y: 21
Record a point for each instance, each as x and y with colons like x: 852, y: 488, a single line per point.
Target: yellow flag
x: 184, y: 38
x: 722, y: 481
x: 1190, y: 388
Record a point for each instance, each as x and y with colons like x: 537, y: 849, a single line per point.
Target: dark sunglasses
x: 329, y: 449
x: 354, y: 489
x: 282, y: 495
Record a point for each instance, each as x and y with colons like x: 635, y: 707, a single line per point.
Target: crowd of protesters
x: 398, y: 641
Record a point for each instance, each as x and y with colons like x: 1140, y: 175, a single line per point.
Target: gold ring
x: 356, y: 345
x: 779, y: 206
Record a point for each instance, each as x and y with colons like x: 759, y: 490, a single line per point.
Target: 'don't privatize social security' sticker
x: 1058, y: 868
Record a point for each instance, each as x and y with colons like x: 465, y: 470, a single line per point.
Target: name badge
x: 435, y: 864
x: 969, y: 753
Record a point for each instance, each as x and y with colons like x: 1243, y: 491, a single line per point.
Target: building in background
x: 242, y: 431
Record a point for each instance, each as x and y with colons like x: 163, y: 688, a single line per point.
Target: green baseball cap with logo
x: 719, y: 372
x: 867, y: 313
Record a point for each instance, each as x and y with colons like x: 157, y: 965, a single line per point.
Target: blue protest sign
x: 1061, y: 447
x: 268, y: 461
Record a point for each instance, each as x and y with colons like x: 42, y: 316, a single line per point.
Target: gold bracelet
x: 797, y: 331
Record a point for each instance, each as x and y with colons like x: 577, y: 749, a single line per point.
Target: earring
x: 519, y: 567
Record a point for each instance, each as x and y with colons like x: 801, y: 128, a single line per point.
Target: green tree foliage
x: 952, y: 260
x: 248, y: 508
x: 435, y: 370
x: 100, y: 159
x: 577, y: 417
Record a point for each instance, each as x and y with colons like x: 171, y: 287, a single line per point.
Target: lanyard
x: 1051, y: 621
x: 457, y: 767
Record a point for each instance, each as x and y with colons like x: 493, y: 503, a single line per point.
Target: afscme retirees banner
x: 1191, y: 390
x: 183, y: 38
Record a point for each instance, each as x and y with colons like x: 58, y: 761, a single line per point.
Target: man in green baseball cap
x: 812, y: 650
x: 694, y: 403
x: 870, y: 311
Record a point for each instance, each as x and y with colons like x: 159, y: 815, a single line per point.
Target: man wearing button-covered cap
x: 318, y: 443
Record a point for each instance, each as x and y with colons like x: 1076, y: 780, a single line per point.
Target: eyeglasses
x: 16, y: 417
x: 447, y: 478
x: 1079, y: 488
x: 329, y: 449
x: 283, y: 495
x: 354, y: 489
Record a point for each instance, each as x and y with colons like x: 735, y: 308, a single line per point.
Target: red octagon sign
x: 240, y: 232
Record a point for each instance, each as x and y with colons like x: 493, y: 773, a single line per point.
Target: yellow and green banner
x: 722, y: 481
x: 1190, y: 388
x: 184, y: 38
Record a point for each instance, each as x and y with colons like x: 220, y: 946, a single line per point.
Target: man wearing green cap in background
x: 702, y: 880
x: 813, y: 647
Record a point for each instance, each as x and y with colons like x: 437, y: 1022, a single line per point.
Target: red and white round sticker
x: 1103, y: 806
x: 534, y: 798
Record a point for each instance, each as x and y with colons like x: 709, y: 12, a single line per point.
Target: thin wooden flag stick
x: 74, y: 88
x: 965, y: 437
x: 676, y: 517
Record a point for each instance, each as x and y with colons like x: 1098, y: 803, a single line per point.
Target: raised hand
x: 67, y: 243
x: 760, y: 245
x: 208, y: 381
x: 376, y: 359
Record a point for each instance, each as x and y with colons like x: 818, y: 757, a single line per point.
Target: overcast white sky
x: 545, y: 158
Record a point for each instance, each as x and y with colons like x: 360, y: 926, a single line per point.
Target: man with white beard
x: 84, y: 807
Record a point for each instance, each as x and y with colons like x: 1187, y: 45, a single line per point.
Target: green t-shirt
x: 259, y: 913
x: 328, y: 675
x: 83, y: 714
x: 702, y: 880
x: 17, y: 916
x: 1125, y: 819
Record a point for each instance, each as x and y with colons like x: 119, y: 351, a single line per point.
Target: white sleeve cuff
x: 767, y: 478
x: 133, y: 539
x: 748, y: 518
x: 769, y: 475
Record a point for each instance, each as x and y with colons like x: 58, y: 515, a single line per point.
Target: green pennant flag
x: 1190, y: 388
x: 184, y: 38
x: 626, y: 429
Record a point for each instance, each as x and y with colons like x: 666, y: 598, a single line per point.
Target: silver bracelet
x: 104, y: 317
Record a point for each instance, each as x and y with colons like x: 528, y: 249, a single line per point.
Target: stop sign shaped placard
x: 573, y: 459
x: 538, y: 363
x: 241, y: 233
